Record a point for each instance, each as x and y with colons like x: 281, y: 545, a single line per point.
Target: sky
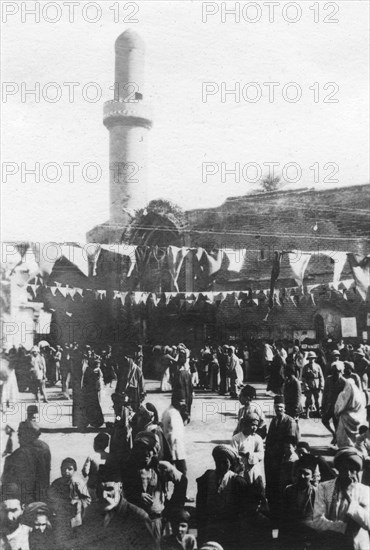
x: 321, y: 137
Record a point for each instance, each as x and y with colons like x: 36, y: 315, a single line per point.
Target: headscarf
x: 211, y: 545
x: 348, y: 453
x: 149, y: 439
x: 229, y: 453
x: 248, y: 391
x: 32, y: 510
x: 250, y: 417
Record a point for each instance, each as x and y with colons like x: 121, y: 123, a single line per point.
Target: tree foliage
x: 270, y: 183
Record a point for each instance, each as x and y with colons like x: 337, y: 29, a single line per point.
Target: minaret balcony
x: 126, y: 113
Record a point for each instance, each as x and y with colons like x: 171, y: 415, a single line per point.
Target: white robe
x: 351, y: 413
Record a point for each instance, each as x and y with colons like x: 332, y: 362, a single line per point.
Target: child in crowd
x: 246, y: 396
x: 290, y: 457
x: 93, y: 462
x: 69, y: 497
x: 249, y: 446
x: 180, y: 537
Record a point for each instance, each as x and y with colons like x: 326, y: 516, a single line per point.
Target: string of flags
x: 295, y: 295
x: 90, y: 259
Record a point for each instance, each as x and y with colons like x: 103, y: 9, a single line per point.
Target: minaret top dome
x: 130, y: 40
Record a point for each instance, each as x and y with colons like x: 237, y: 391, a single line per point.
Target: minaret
x: 128, y: 121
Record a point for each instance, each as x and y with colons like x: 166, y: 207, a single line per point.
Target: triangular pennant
x: 293, y: 299
x: 53, y: 290
x: 347, y: 283
x: 255, y: 300
x: 122, y: 296
x: 63, y: 290
x: 71, y: 292
x: 34, y: 289
x: 138, y: 297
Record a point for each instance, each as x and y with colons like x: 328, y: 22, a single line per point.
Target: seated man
x: 145, y: 481
x: 297, y: 505
x: 112, y: 522
x: 342, y: 506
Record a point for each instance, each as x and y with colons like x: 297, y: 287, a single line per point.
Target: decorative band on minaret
x: 128, y: 120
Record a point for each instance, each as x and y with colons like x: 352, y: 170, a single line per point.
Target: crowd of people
x: 267, y: 484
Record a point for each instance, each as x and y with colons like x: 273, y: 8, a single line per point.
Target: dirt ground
x: 213, y: 420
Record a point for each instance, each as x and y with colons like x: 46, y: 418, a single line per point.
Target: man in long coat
x: 281, y: 427
x: 130, y: 382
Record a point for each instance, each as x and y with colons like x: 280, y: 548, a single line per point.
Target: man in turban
x: 342, y: 506
x: 224, y: 500
x: 145, y: 480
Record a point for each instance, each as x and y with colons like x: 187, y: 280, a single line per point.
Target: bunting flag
x: 277, y: 296
x: 298, y: 262
x: 214, y: 260
x: 275, y: 272
x: 339, y: 258
x: 53, y: 290
x: 360, y: 267
x: 128, y: 250
x: 139, y: 297
x: 175, y: 258
x: 143, y: 255
x: 63, y: 290
x: 236, y: 258
x: 93, y: 252
x: 34, y: 289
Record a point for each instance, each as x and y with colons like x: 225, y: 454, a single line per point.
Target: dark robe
x: 20, y: 469
x: 221, y: 516
x: 129, y: 528
x: 279, y: 429
x: 182, y: 388
x: 91, y: 386
x: 130, y: 382
x: 297, y: 512
x: 292, y: 397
